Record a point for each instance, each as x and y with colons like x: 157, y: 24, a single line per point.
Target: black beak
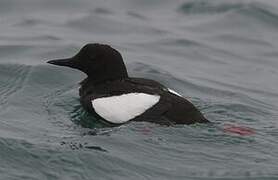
x: 62, y: 62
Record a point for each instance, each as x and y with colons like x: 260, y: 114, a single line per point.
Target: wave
x: 13, y: 79
x: 208, y: 7
x: 251, y: 9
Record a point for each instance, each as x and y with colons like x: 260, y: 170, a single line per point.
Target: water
x: 220, y: 54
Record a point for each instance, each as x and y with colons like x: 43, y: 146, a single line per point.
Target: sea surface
x: 222, y: 55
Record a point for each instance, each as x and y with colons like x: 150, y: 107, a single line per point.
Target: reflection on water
x: 85, y: 119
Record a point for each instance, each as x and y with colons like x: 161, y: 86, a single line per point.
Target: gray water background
x: 220, y: 54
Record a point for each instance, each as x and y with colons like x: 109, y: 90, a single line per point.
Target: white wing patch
x: 122, y: 108
x: 174, y: 92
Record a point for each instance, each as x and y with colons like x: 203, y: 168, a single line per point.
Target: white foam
x: 122, y: 108
x: 174, y: 92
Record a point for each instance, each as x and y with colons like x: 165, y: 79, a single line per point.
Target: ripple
x: 137, y: 15
x: 208, y: 7
x: 6, y: 50
x: 104, y: 11
x: 258, y: 11
x: 106, y: 23
x: 13, y: 79
x: 29, y: 22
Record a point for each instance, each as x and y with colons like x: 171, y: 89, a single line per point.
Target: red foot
x: 243, y: 131
x: 146, y: 131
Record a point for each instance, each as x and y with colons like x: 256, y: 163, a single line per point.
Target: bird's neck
x: 109, y: 73
x: 96, y: 81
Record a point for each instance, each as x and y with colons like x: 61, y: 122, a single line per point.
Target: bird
x: 112, y: 96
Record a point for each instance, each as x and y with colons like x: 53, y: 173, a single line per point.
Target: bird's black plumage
x: 107, y: 76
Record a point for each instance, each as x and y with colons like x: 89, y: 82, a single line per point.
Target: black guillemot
x: 116, y: 98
